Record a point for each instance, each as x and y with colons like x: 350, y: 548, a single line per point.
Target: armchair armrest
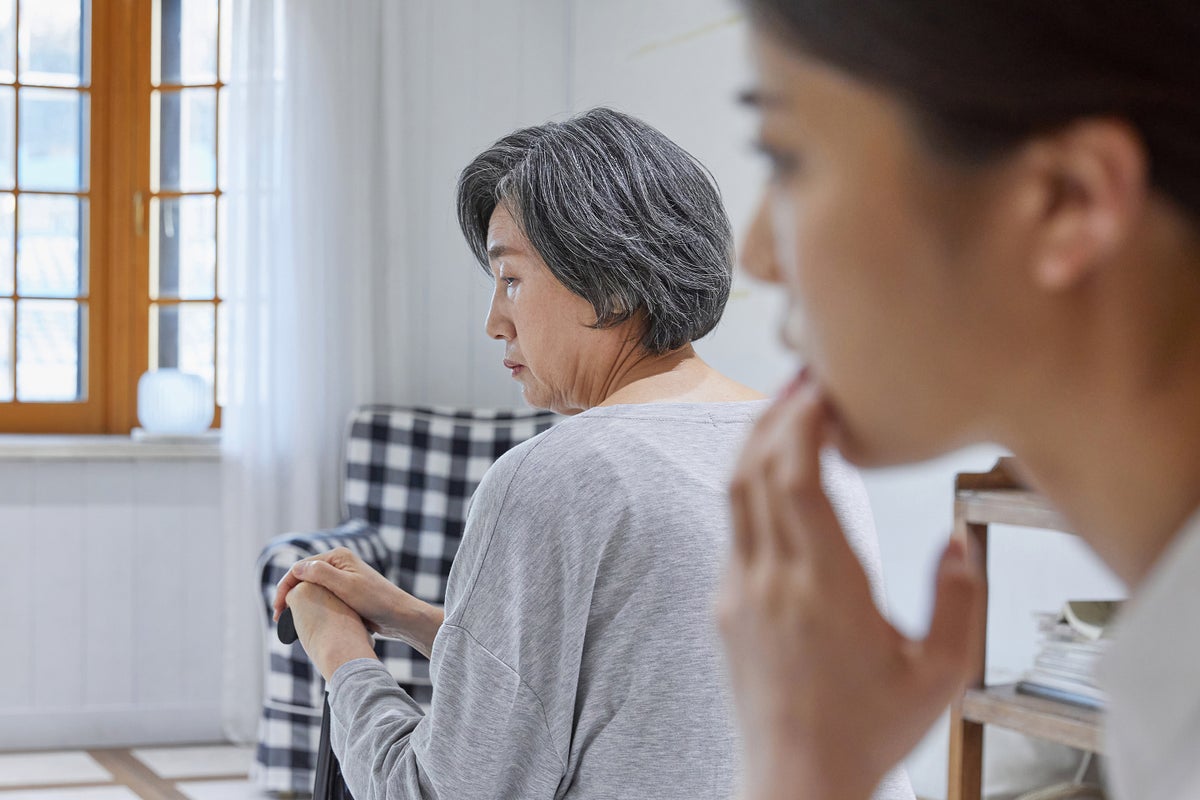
x: 293, y: 689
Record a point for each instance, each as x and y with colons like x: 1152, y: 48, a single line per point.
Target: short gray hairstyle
x: 623, y: 217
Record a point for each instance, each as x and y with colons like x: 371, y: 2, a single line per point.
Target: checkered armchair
x: 408, y: 475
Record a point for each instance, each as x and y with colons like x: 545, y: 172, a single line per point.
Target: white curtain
x: 313, y: 214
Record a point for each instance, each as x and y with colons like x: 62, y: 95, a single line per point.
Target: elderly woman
x: 576, y: 656
x: 987, y: 216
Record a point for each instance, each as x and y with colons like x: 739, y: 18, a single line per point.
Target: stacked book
x: 1073, y: 642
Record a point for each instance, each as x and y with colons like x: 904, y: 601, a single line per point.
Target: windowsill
x: 37, y: 447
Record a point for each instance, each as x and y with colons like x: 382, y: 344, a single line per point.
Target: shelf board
x: 1064, y: 723
x: 1009, y: 507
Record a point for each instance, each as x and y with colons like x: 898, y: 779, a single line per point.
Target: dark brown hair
x: 981, y: 76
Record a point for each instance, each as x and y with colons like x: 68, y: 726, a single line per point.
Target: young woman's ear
x: 1094, y: 183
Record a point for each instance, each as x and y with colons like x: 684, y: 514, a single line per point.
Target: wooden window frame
x: 118, y: 246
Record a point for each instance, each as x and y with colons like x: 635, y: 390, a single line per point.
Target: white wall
x: 111, y: 593
x: 470, y: 71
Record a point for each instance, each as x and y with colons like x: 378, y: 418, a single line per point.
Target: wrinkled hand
x: 829, y: 695
x: 385, y: 608
x: 329, y: 630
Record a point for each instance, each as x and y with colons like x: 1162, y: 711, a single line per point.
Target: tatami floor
x: 203, y: 772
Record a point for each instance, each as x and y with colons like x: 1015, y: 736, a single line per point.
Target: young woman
x: 987, y: 219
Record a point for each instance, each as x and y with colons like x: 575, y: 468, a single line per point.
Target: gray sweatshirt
x: 579, y: 656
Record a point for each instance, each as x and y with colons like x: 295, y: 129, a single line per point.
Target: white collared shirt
x: 1152, y: 674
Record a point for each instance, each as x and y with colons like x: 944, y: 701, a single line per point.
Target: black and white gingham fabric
x: 409, y: 475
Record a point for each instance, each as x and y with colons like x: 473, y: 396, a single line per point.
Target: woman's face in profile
x: 561, y: 362
x: 887, y: 254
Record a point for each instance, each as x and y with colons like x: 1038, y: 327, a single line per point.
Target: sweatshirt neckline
x: 738, y: 408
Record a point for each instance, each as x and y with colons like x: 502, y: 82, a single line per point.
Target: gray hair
x: 623, y: 217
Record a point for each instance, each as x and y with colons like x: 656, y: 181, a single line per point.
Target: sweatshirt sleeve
x: 485, y: 735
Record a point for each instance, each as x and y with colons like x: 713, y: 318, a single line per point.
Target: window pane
x: 50, y: 261
x: 51, y: 42
x: 6, y: 377
x: 8, y: 205
x: 185, y: 258
x: 48, y: 350
x: 8, y: 130
x: 186, y: 338
x: 187, y: 146
x: 8, y: 42
x: 222, y: 139
x: 51, y: 151
x: 188, y: 38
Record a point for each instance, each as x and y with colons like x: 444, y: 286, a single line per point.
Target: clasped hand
x: 354, y: 599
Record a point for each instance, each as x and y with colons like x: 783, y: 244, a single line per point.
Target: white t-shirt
x: 1152, y: 674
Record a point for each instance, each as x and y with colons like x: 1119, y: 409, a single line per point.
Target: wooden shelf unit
x: 980, y: 500
x: 1074, y: 726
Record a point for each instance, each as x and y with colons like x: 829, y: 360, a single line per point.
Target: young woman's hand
x: 829, y: 695
x: 385, y: 608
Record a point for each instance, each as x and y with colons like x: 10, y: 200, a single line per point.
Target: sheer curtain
x: 312, y: 214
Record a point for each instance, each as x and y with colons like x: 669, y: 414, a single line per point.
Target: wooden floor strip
x: 137, y: 776
x: 7, y: 790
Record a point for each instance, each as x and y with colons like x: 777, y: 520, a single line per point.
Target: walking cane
x: 328, y: 784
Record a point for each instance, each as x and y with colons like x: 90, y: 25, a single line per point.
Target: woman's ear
x: 1094, y: 183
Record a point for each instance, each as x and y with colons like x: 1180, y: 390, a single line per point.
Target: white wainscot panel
x: 106, y: 560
